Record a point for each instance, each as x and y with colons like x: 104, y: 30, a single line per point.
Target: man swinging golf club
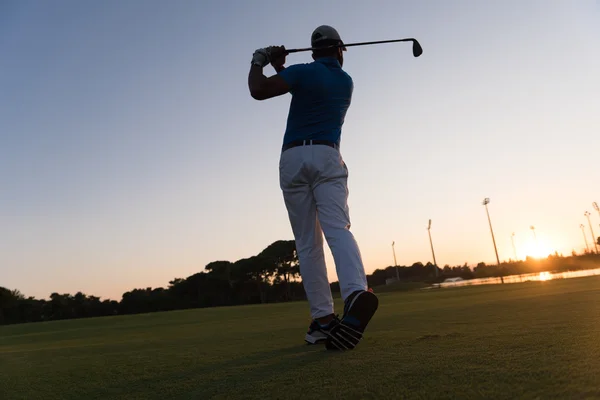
x: 313, y: 178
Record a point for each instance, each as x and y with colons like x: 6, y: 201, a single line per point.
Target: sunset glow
x: 539, y: 250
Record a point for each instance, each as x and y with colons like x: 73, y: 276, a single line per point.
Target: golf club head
x: 417, y: 49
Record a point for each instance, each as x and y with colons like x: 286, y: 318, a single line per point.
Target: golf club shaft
x: 350, y: 45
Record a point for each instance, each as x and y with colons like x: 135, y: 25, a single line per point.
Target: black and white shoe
x: 359, y: 308
x: 317, y: 333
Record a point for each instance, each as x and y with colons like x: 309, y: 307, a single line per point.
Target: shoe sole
x: 349, y: 332
x: 309, y: 339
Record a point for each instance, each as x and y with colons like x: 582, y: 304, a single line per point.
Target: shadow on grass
x: 201, y: 381
x: 260, y: 367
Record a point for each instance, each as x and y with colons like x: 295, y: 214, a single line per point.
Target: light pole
x: 395, y: 263
x: 587, y: 214
x: 596, y: 208
x: 486, y: 201
x: 537, y: 246
x: 512, y: 238
x: 534, y: 235
x: 587, y: 246
x: 432, y: 252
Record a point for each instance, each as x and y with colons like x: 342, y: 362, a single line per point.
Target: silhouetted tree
x: 221, y: 270
x: 284, y: 259
x: 259, y: 271
x: 9, y: 300
x: 269, y: 276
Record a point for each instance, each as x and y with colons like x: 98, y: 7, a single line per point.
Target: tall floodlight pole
x: 486, y: 201
x: 534, y: 235
x: 537, y: 246
x: 587, y: 214
x: 597, y: 208
x: 432, y: 252
x: 587, y: 246
x: 395, y: 263
x: 512, y: 239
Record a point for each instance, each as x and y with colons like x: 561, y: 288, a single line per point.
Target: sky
x: 131, y: 152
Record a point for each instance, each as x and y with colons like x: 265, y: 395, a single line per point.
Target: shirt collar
x: 332, y: 61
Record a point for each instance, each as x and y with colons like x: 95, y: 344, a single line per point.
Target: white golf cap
x: 325, y: 35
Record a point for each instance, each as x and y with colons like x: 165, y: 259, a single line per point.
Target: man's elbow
x: 258, y: 93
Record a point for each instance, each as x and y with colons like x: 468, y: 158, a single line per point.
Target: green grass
x: 533, y: 340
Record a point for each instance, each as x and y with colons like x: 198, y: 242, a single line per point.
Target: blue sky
x: 131, y: 152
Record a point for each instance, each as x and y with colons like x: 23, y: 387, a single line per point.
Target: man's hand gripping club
x: 275, y: 55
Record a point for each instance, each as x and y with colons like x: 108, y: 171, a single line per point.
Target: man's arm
x: 261, y: 87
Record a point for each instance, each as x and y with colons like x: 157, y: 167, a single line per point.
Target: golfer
x: 313, y: 178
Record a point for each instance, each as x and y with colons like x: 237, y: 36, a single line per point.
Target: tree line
x: 271, y: 276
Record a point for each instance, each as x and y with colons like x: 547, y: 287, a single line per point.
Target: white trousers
x: 313, y: 179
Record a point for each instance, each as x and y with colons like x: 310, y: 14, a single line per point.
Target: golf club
x: 417, y: 49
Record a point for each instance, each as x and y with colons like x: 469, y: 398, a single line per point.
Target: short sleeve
x: 293, y: 75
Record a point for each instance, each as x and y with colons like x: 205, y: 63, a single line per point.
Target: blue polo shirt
x: 321, y: 94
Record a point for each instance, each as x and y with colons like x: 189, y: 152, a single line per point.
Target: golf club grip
x: 288, y: 51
